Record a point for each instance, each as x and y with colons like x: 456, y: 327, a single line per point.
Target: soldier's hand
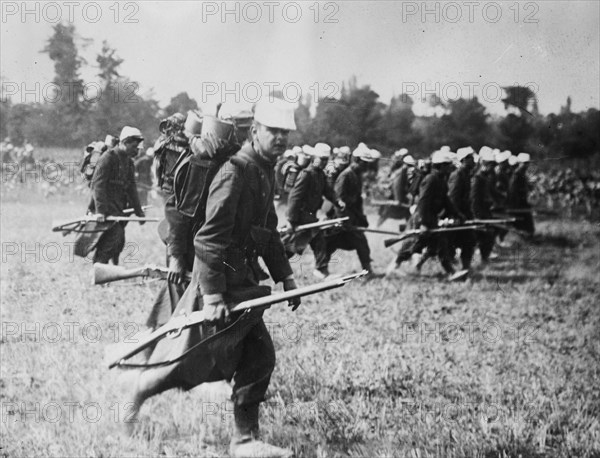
x: 100, y: 217
x: 215, y: 309
x: 177, y: 272
x: 288, y: 285
x: 341, y: 204
x: 141, y: 214
x: 423, y: 228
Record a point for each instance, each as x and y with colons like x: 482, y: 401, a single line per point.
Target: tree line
x: 73, y: 118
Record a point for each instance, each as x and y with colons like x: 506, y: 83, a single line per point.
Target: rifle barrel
x: 179, y: 323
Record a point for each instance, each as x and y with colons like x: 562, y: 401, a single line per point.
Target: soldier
x: 287, y: 163
x: 459, y: 191
x: 337, y: 165
x: 518, y: 191
x: 401, y: 180
x: 482, y: 200
x: 348, y: 192
x: 304, y: 201
x: 502, y: 177
x: 433, y: 203
x: 240, y: 223
x: 143, y: 173
x: 423, y: 169
x: 113, y: 188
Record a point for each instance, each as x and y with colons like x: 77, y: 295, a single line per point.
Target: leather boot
x: 244, y: 443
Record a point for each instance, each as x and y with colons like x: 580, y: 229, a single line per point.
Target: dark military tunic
x: 518, y: 190
x: 348, y: 188
x: 114, y: 190
x: 459, y: 192
x: 304, y: 201
x: 481, y: 206
x: 240, y: 224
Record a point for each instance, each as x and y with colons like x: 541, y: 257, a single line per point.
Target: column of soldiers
x: 464, y: 186
x: 220, y: 176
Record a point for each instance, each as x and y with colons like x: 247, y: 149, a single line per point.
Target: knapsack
x: 90, y: 158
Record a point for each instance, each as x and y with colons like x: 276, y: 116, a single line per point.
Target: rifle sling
x: 208, y: 340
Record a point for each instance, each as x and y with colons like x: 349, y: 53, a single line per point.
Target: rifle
x: 389, y: 242
x: 317, y: 225
x: 375, y: 231
x: 105, y: 273
x: 178, y: 323
x: 388, y: 203
x: 491, y: 221
x: 69, y: 226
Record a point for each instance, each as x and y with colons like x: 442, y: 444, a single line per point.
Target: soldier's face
x: 269, y: 141
x: 131, y: 147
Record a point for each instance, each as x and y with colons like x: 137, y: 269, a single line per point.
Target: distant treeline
x: 73, y: 112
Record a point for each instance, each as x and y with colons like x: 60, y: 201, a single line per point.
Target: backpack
x: 90, y: 158
x: 290, y: 173
x: 194, y: 172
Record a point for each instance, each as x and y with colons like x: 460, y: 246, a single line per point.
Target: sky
x: 234, y: 52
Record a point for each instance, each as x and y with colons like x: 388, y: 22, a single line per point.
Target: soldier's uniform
x: 348, y: 188
x: 459, y: 192
x: 114, y: 189
x: 240, y: 224
x: 143, y: 172
x: 518, y: 190
x: 482, y: 201
x: 304, y: 201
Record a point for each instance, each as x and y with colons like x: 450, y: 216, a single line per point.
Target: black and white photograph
x: 311, y: 229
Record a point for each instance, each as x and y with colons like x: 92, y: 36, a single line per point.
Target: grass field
x: 504, y: 365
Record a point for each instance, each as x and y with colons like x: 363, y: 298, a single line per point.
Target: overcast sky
x: 458, y: 47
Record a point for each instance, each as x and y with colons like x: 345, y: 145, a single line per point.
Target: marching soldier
x: 459, y: 191
x: 240, y: 223
x: 143, y: 173
x: 432, y: 204
x: 401, y: 180
x: 482, y: 200
x: 304, y: 201
x: 114, y: 189
x: 423, y: 169
x: 518, y: 190
x: 348, y: 192
x: 336, y: 166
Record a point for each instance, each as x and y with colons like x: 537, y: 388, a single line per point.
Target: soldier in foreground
x: 114, y: 190
x: 240, y: 224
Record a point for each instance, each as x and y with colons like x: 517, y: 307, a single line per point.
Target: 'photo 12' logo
x: 55, y: 12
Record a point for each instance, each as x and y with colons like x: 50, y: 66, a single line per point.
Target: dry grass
x: 505, y: 364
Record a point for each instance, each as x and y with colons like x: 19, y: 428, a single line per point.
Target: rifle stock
x: 106, y: 273
x: 177, y: 324
x: 317, y: 225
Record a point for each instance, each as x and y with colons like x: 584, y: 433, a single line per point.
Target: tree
x: 181, y: 103
x: 69, y: 108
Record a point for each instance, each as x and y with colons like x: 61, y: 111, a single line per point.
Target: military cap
x: 275, y: 113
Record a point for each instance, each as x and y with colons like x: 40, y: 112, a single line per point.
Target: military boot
x: 244, y: 443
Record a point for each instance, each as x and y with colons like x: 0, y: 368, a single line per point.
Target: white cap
x: 345, y: 150
x: 523, y: 157
x: 440, y: 157
x: 297, y: 149
x: 502, y: 156
x: 275, y: 113
x: 336, y: 151
x: 452, y: 156
x: 445, y: 149
x: 486, y: 154
x: 322, y: 150
x: 512, y: 160
x: 130, y: 132
x: 408, y: 160
x: 363, y: 153
x: 109, y: 139
x: 461, y: 153
x: 308, y: 150
x: 401, y: 152
x: 289, y: 153
x: 376, y: 154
